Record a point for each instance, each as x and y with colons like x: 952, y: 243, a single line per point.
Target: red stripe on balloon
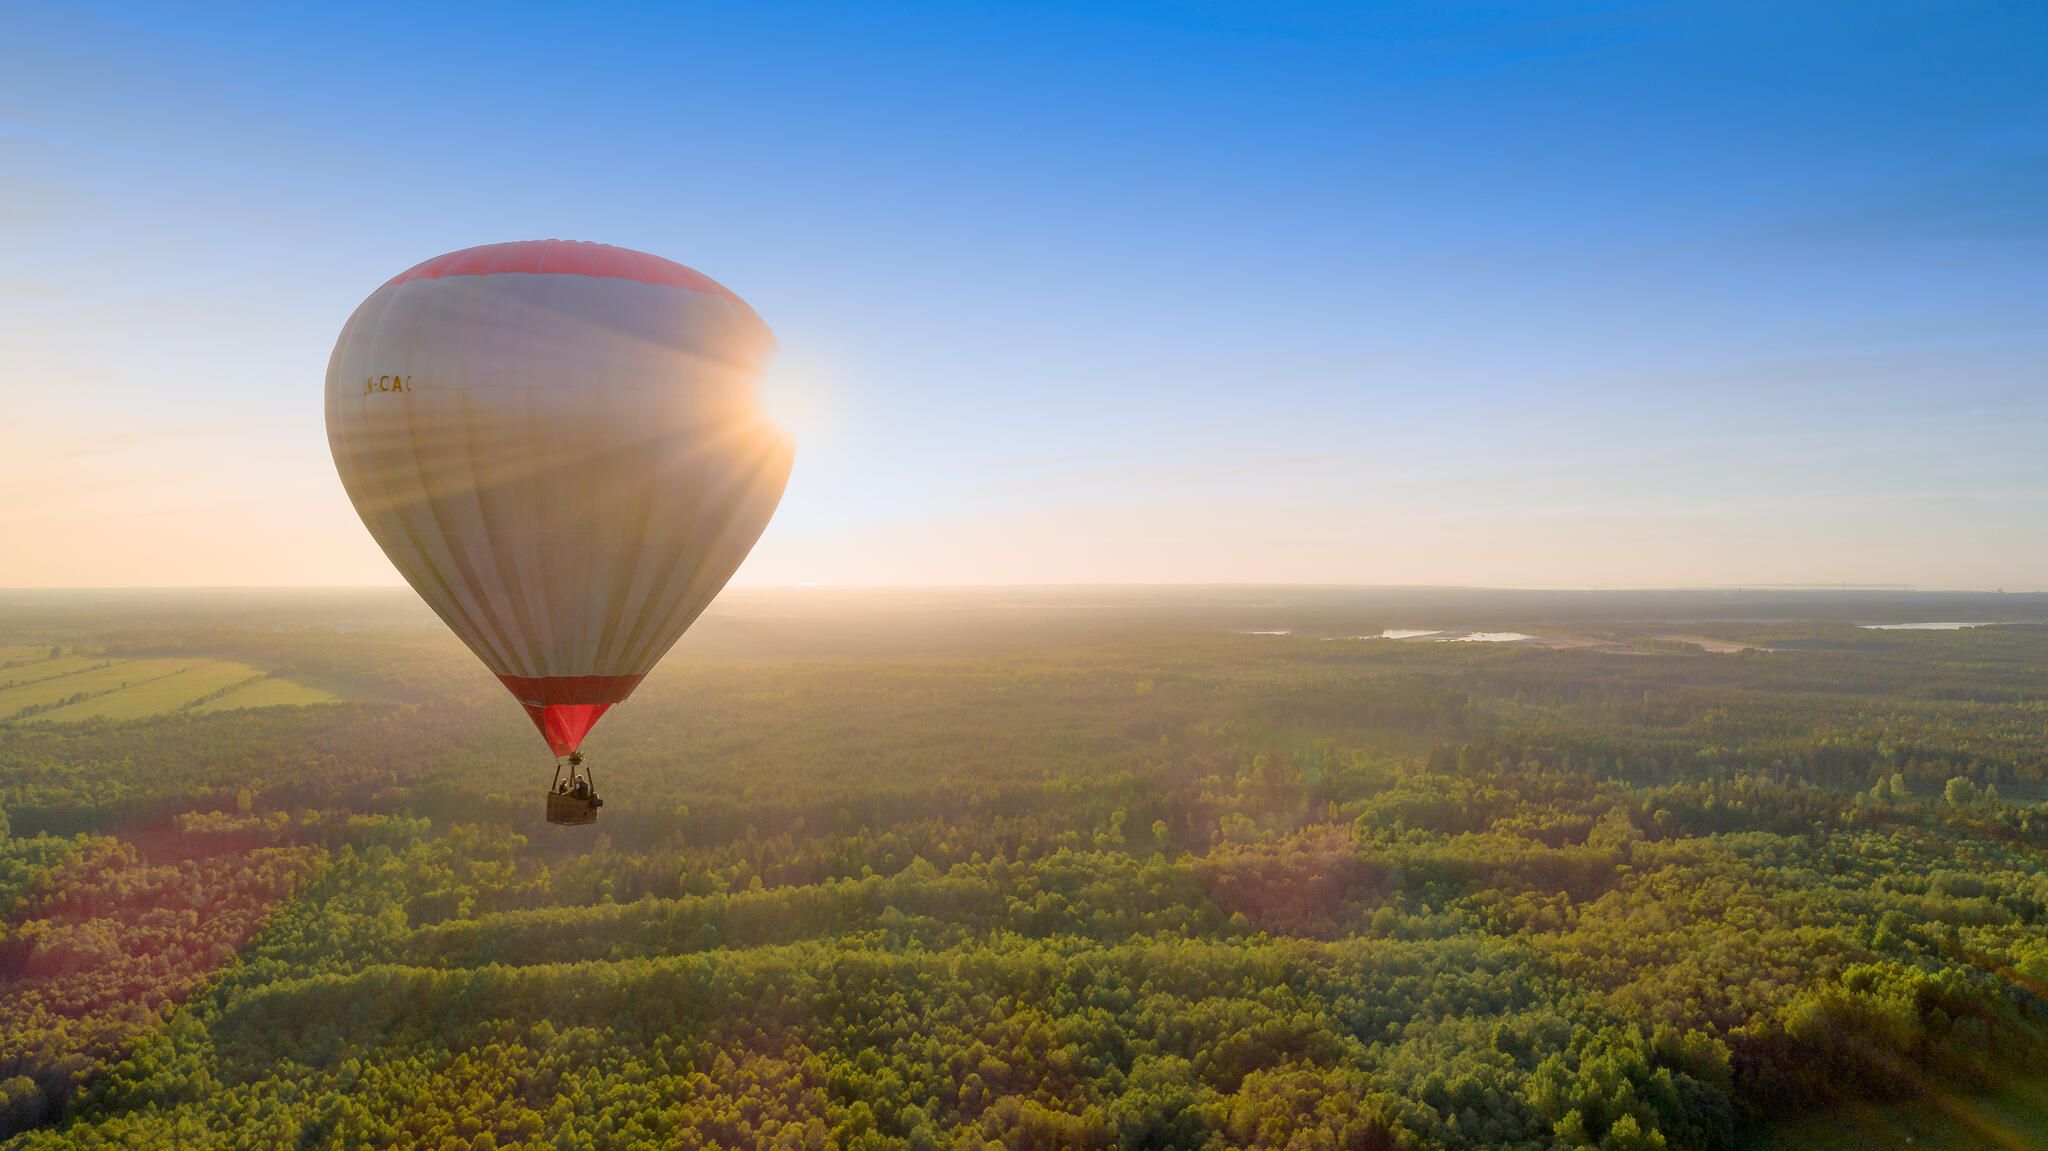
x: 563, y: 258
x: 566, y: 707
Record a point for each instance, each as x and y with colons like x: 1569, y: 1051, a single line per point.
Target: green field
x: 47, y: 669
x: 131, y: 689
x: 157, y: 696
x: 267, y: 693
x: 22, y: 653
x: 113, y: 677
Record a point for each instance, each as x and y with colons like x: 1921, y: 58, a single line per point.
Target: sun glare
x: 794, y: 396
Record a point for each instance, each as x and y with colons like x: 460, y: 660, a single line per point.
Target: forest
x: 1206, y: 868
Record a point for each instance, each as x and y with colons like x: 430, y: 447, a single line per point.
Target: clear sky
x: 1508, y: 294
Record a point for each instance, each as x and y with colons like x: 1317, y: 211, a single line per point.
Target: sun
x: 794, y: 397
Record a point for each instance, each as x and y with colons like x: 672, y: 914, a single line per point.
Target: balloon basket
x: 571, y: 810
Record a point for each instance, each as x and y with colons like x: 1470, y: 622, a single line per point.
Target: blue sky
x: 1515, y: 294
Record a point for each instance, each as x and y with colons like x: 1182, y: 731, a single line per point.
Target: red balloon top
x: 563, y: 258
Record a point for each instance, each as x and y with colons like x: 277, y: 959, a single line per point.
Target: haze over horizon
x: 1630, y: 297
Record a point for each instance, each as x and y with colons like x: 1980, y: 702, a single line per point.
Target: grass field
x: 170, y: 693
x: 131, y: 689
x: 22, y: 653
x: 43, y: 693
x: 267, y: 693
x: 2013, y: 1116
x: 47, y: 669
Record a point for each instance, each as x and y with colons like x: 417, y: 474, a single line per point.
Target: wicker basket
x: 571, y: 809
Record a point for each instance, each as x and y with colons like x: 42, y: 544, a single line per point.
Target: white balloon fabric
x: 560, y: 447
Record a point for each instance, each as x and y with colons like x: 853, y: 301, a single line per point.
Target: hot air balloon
x: 560, y: 447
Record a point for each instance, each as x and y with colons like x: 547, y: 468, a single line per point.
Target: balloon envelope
x: 560, y: 447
